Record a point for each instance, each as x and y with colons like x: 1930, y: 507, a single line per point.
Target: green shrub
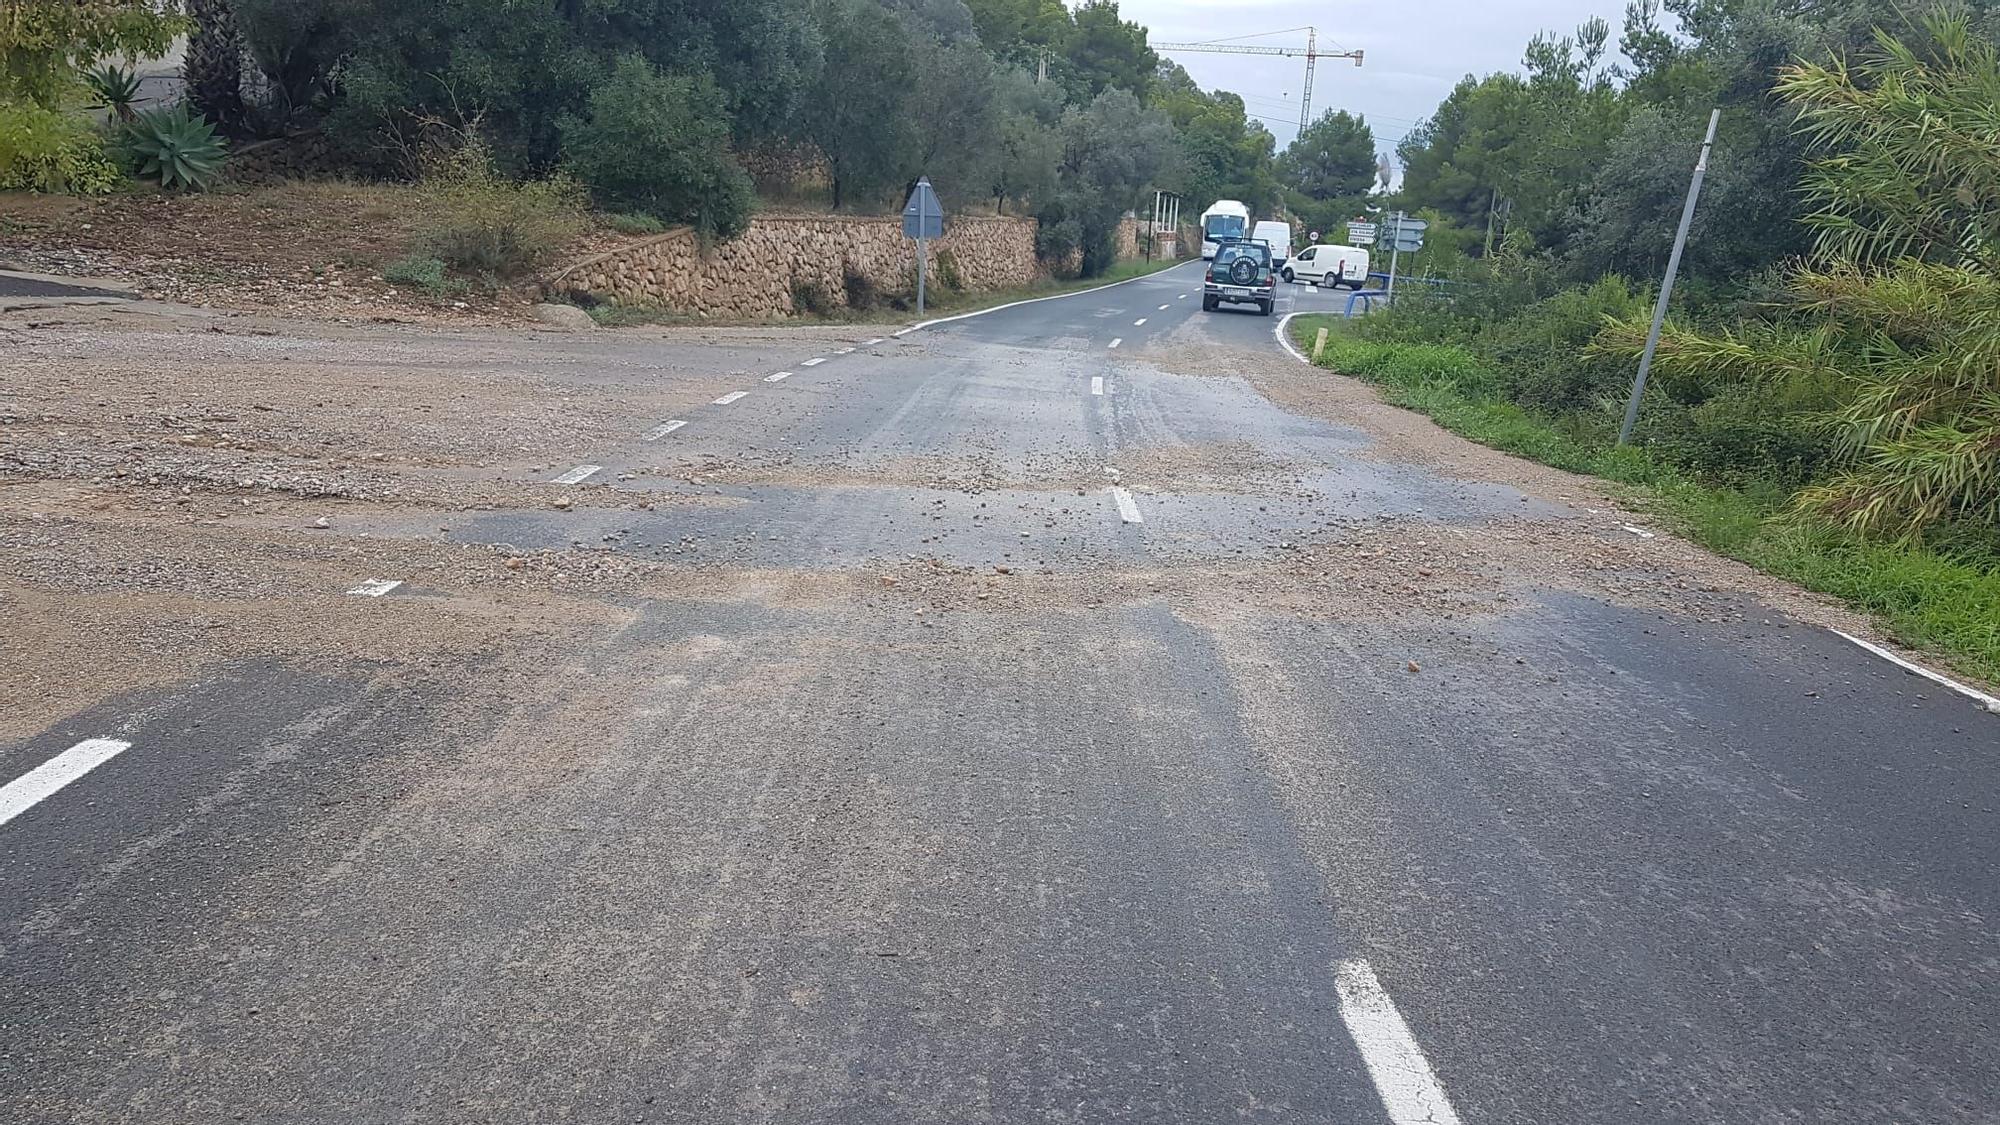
x: 479, y: 222
x: 659, y: 144
x: 810, y: 298
x: 860, y: 289
x: 630, y: 223
x: 48, y: 150
x: 115, y: 87
x: 1540, y: 352
x: 948, y: 278
x: 419, y: 272
x: 174, y: 146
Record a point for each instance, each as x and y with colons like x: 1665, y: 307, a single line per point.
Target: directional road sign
x: 1361, y: 234
x: 923, y: 216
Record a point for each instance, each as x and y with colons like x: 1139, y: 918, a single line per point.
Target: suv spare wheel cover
x: 1243, y: 271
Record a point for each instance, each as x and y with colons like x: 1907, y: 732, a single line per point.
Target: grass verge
x: 1925, y: 598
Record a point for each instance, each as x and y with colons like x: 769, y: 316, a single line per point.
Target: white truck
x: 1276, y: 235
x: 1327, y: 264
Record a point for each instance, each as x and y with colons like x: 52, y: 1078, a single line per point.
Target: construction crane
x: 1310, y: 52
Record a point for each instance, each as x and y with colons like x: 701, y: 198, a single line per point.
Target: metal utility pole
x: 1312, y: 55
x: 1667, y: 283
x: 1395, y: 253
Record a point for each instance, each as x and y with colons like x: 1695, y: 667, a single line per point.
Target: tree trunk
x: 214, y: 67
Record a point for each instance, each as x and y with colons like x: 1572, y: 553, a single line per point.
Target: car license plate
x: 1237, y: 291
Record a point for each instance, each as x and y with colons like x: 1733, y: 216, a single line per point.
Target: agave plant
x: 173, y: 145
x: 116, y: 88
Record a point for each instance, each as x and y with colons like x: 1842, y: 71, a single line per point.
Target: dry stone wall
x: 818, y: 257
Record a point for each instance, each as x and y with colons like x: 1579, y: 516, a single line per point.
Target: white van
x: 1278, y: 236
x: 1330, y: 265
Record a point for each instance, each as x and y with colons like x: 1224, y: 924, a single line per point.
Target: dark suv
x: 1241, y: 275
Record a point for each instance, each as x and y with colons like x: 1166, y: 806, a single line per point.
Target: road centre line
x: 1991, y: 704
x: 1128, y: 509
x: 814, y: 361
x: 664, y: 428
x: 31, y: 788
x: 1097, y: 384
x: 578, y: 475
x: 1138, y: 322
x: 732, y: 396
x: 1403, y: 1077
x: 777, y: 376
x: 375, y: 587
x: 1117, y: 340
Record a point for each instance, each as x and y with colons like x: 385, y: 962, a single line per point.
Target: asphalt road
x: 1062, y: 850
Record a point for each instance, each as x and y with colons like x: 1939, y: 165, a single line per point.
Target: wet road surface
x: 1108, y: 825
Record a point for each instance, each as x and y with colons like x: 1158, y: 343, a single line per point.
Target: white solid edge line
x: 1403, y: 1077
x: 1097, y: 384
x: 1991, y: 704
x: 842, y: 351
x: 375, y: 587
x: 664, y: 428
x: 31, y: 788
x: 1039, y: 300
x: 578, y: 475
x: 732, y: 396
x: 1285, y: 340
x: 1117, y: 340
x: 1128, y: 509
x: 777, y: 376
x: 814, y: 362
x: 871, y: 343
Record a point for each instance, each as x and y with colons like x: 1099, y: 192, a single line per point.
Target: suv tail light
x: 1209, y: 276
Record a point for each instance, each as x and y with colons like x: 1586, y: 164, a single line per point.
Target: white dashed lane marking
x: 777, y: 376
x: 1138, y: 322
x: 1117, y: 341
x: 31, y: 788
x: 814, y: 361
x: 664, y: 428
x: 1403, y: 1077
x: 1163, y: 308
x: 578, y: 475
x: 1097, y: 384
x: 732, y: 396
x: 1128, y: 509
x: 375, y: 587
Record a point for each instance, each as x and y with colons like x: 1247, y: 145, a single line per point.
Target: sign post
x: 923, y: 220
x: 1401, y: 233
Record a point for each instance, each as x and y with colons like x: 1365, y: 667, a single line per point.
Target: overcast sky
x: 1415, y: 54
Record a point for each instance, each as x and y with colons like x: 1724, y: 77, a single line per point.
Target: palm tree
x: 214, y: 67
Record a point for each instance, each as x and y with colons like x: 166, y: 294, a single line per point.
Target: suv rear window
x: 1257, y: 250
